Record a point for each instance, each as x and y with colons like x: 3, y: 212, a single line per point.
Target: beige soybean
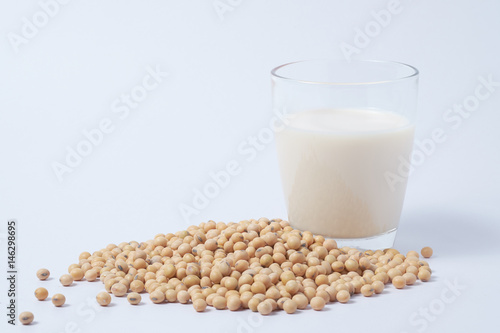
x: 426, y: 252
x: 410, y: 278
x: 343, y: 296
x: 77, y: 274
x: 265, y: 308
x: 253, y: 304
x: 424, y: 275
x: 26, y: 318
x: 367, y: 290
x: 58, y: 300
x: 317, y: 303
x: 66, y: 280
x: 290, y: 306
x: 399, y: 282
x: 90, y: 275
x: 156, y: 296
x: 301, y: 300
x: 258, y: 264
x: 41, y: 293
x: 103, y: 298
x: 378, y: 286
x: 233, y: 302
x: 199, y: 305
x: 137, y: 286
x: 219, y: 302
x: 43, y: 274
x: 183, y: 296
x: 135, y: 298
x: 119, y: 289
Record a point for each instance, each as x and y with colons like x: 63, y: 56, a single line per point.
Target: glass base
x: 379, y: 242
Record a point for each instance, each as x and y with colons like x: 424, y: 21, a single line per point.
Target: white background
x: 64, y: 79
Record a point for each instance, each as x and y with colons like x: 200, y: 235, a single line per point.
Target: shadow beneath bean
x: 72, y: 285
x: 156, y: 304
x: 273, y: 313
x: 141, y: 304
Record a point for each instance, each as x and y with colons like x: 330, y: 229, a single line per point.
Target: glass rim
x: 414, y: 72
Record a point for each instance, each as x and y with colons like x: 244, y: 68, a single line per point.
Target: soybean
x: 426, y: 252
x: 58, y: 300
x: 41, y: 293
x: 262, y: 265
x: 134, y: 298
x: 66, y: 280
x: 103, y: 298
x: 26, y: 318
x: 43, y: 274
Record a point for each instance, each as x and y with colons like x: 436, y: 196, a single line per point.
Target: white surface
x: 64, y: 80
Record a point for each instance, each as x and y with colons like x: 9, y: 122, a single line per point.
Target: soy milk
x: 333, y: 164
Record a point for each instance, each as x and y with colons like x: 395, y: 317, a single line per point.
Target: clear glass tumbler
x: 344, y: 153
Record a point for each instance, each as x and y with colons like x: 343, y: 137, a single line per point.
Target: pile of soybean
x: 262, y: 265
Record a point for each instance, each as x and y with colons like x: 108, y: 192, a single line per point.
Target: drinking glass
x: 344, y: 152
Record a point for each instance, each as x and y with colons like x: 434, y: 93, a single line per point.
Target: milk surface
x: 333, y: 164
